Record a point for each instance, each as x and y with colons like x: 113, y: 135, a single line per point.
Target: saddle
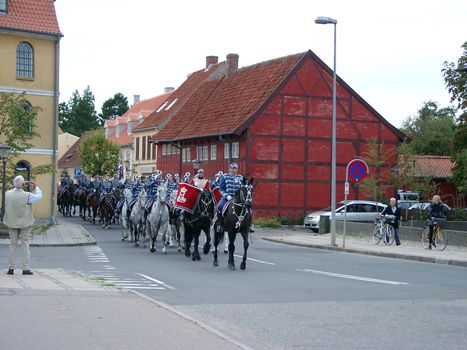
x: 149, y: 204
x: 120, y: 204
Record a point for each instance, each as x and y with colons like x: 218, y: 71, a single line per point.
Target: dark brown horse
x: 83, y: 201
x: 66, y: 199
x: 93, y: 202
x: 107, y: 209
x: 237, y: 219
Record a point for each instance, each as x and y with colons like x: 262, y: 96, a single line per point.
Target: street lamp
x: 329, y: 20
x: 5, y: 151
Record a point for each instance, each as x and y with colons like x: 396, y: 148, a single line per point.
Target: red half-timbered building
x: 274, y: 119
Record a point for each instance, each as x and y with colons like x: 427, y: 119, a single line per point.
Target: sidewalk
x: 408, y: 250
x: 65, y: 234
x: 56, y: 309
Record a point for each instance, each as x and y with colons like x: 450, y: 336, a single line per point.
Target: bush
x: 284, y: 220
x: 267, y: 222
x: 458, y: 214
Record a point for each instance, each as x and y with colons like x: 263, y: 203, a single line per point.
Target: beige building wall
x: 65, y: 141
x: 39, y: 92
x: 146, y: 165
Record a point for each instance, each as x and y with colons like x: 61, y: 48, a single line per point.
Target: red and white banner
x: 187, y: 197
x: 216, y: 194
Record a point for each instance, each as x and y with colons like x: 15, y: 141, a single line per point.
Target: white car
x: 425, y: 205
x: 357, y: 210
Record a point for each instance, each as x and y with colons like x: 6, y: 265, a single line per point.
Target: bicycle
x: 440, y: 237
x: 383, y: 228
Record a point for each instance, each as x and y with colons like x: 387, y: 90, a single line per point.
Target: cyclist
x: 392, y: 209
x: 436, y: 210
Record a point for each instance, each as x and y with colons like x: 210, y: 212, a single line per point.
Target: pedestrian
x: 392, y: 209
x: 19, y: 219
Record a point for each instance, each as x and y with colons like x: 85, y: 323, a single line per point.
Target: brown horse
x: 93, y: 202
x: 107, y: 209
x: 237, y: 219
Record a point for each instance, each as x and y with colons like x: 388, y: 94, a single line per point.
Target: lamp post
x: 5, y: 151
x: 329, y: 20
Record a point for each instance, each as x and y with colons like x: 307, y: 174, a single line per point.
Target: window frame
x: 226, y: 150
x: 4, y: 10
x: 213, y: 152
x: 137, y: 149
x: 23, y: 61
x: 235, y: 150
x: 143, y: 148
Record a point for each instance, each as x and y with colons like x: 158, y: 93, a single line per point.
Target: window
x: 24, y: 60
x: 164, y: 149
x: 117, y: 130
x: 235, y: 149
x: 137, y: 149
x: 162, y: 106
x: 143, y: 148
x: 154, y: 150
x: 205, y: 152
x: 186, y: 155
x: 149, y: 149
x: 226, y: 150
x: 3, y: 5
x: 213, y: 152
x: 28, y: 108
x: 171, y: 104
x: 129, y: 128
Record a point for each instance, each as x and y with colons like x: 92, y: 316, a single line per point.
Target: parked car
x: 425, y: 205
x: 357, y: 210
x: 407, y: 199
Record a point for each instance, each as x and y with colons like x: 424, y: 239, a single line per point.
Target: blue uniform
x: 151, y: 188
x: 229, y: 184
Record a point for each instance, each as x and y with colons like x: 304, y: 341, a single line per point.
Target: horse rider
x: 172, y: 184
x: 105, y: 186
x: 83, y: 181
x: 228, y: 186
x: 176, y: 179
x: 186, y: 177
x: 116, y: 182
x: 200, y: 181
x: 151, y: 191
x: 217, y: 179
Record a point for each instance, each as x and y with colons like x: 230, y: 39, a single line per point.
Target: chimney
x: 135, y: 99
x: 168, y: 89
x: 232, y: 63
x: 210, y: 60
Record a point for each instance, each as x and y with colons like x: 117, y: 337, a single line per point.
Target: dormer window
x: 3, y: 5
x: 117, y: 130
x: 129, y: 128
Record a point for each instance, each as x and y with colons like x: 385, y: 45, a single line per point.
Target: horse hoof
x: 165, y: 253
x: 215, y: 263
x: 226, y: 251
x: 232, y: 267
x: 187, y: 254
x: 207, y: 248
x: 152, y: 250
x: 242, y: 266
x: 179, y: 249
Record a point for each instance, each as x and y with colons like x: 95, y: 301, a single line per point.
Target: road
x: 289, y: 297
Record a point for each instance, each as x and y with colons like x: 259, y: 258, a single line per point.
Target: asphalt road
x: 288, y: 297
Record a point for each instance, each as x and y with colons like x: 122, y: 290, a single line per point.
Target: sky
x: 391, y: 53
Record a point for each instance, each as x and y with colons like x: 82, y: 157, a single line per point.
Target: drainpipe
x: 55, y: 136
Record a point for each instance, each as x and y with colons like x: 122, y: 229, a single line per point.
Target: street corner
x: 50, y: 280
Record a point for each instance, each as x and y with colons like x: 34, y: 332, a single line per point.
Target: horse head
x: 244, y: 194
x: 162, y: 193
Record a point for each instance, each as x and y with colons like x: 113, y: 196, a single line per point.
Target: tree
x: 79, y: 114
x: 98, y: 155
x: 378, y: 179
x: 17, y: 121
x: 455, y: 79
x: 114, y: 107
x: 431, y: 130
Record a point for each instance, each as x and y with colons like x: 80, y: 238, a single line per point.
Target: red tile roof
x: 181, y: 95
x: 222, y: 105
x: 31, y: 15
x: 437, y: 167
x: 71, y: 158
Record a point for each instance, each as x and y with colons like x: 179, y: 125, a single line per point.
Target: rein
x: 243, y: 205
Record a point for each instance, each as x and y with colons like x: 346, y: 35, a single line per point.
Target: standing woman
x: 392, y: 209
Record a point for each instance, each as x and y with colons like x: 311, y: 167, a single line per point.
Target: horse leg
x: 188, y: 239
x: 216, y: 243
x: 207, y: 245
x: 226, y: 240
x: 196, y: 256
x: 231, y: 262
x: 245, y: 249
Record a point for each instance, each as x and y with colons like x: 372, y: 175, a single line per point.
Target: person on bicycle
x: 392, y: 209
x: 436, y: 210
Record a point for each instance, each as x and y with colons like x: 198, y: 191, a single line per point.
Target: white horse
x: 124, y: 219
x: 158, y: 219
x: 137, y: 217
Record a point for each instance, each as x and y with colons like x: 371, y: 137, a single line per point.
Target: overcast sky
x: 390, y: 52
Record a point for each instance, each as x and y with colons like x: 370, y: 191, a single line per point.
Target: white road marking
x: 157, y: 281
x: 358, y: 278
x: 255, y: 260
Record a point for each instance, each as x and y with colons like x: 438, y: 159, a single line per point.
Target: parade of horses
x: 174, y: 207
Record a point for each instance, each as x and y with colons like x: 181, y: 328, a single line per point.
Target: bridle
x: 244, y: 194
x: 203, y: 207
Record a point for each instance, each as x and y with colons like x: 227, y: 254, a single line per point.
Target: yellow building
x: 29, y: 52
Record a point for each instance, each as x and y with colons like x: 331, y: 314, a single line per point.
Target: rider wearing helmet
x: 229, y: 184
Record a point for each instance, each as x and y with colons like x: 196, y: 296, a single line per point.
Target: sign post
x: 356, y: 170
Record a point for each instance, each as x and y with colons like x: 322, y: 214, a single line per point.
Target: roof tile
x: 437, y: 167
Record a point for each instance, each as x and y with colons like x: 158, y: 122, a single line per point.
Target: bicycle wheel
x: 426, y: 237
x: 377, y: 234
x: 389, y: 237
x: 441, y: 238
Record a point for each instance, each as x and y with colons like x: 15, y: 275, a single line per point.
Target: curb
x: 380, y: 254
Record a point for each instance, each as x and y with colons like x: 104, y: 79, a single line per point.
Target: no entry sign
x: 357, y: 170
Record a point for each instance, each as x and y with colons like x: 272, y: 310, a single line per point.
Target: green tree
x: 114, y: 106
x: 431, y: 130
x: 98, y: 155
x: 455, y: 78
x: 17, y: 121
x: 79, y: 114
